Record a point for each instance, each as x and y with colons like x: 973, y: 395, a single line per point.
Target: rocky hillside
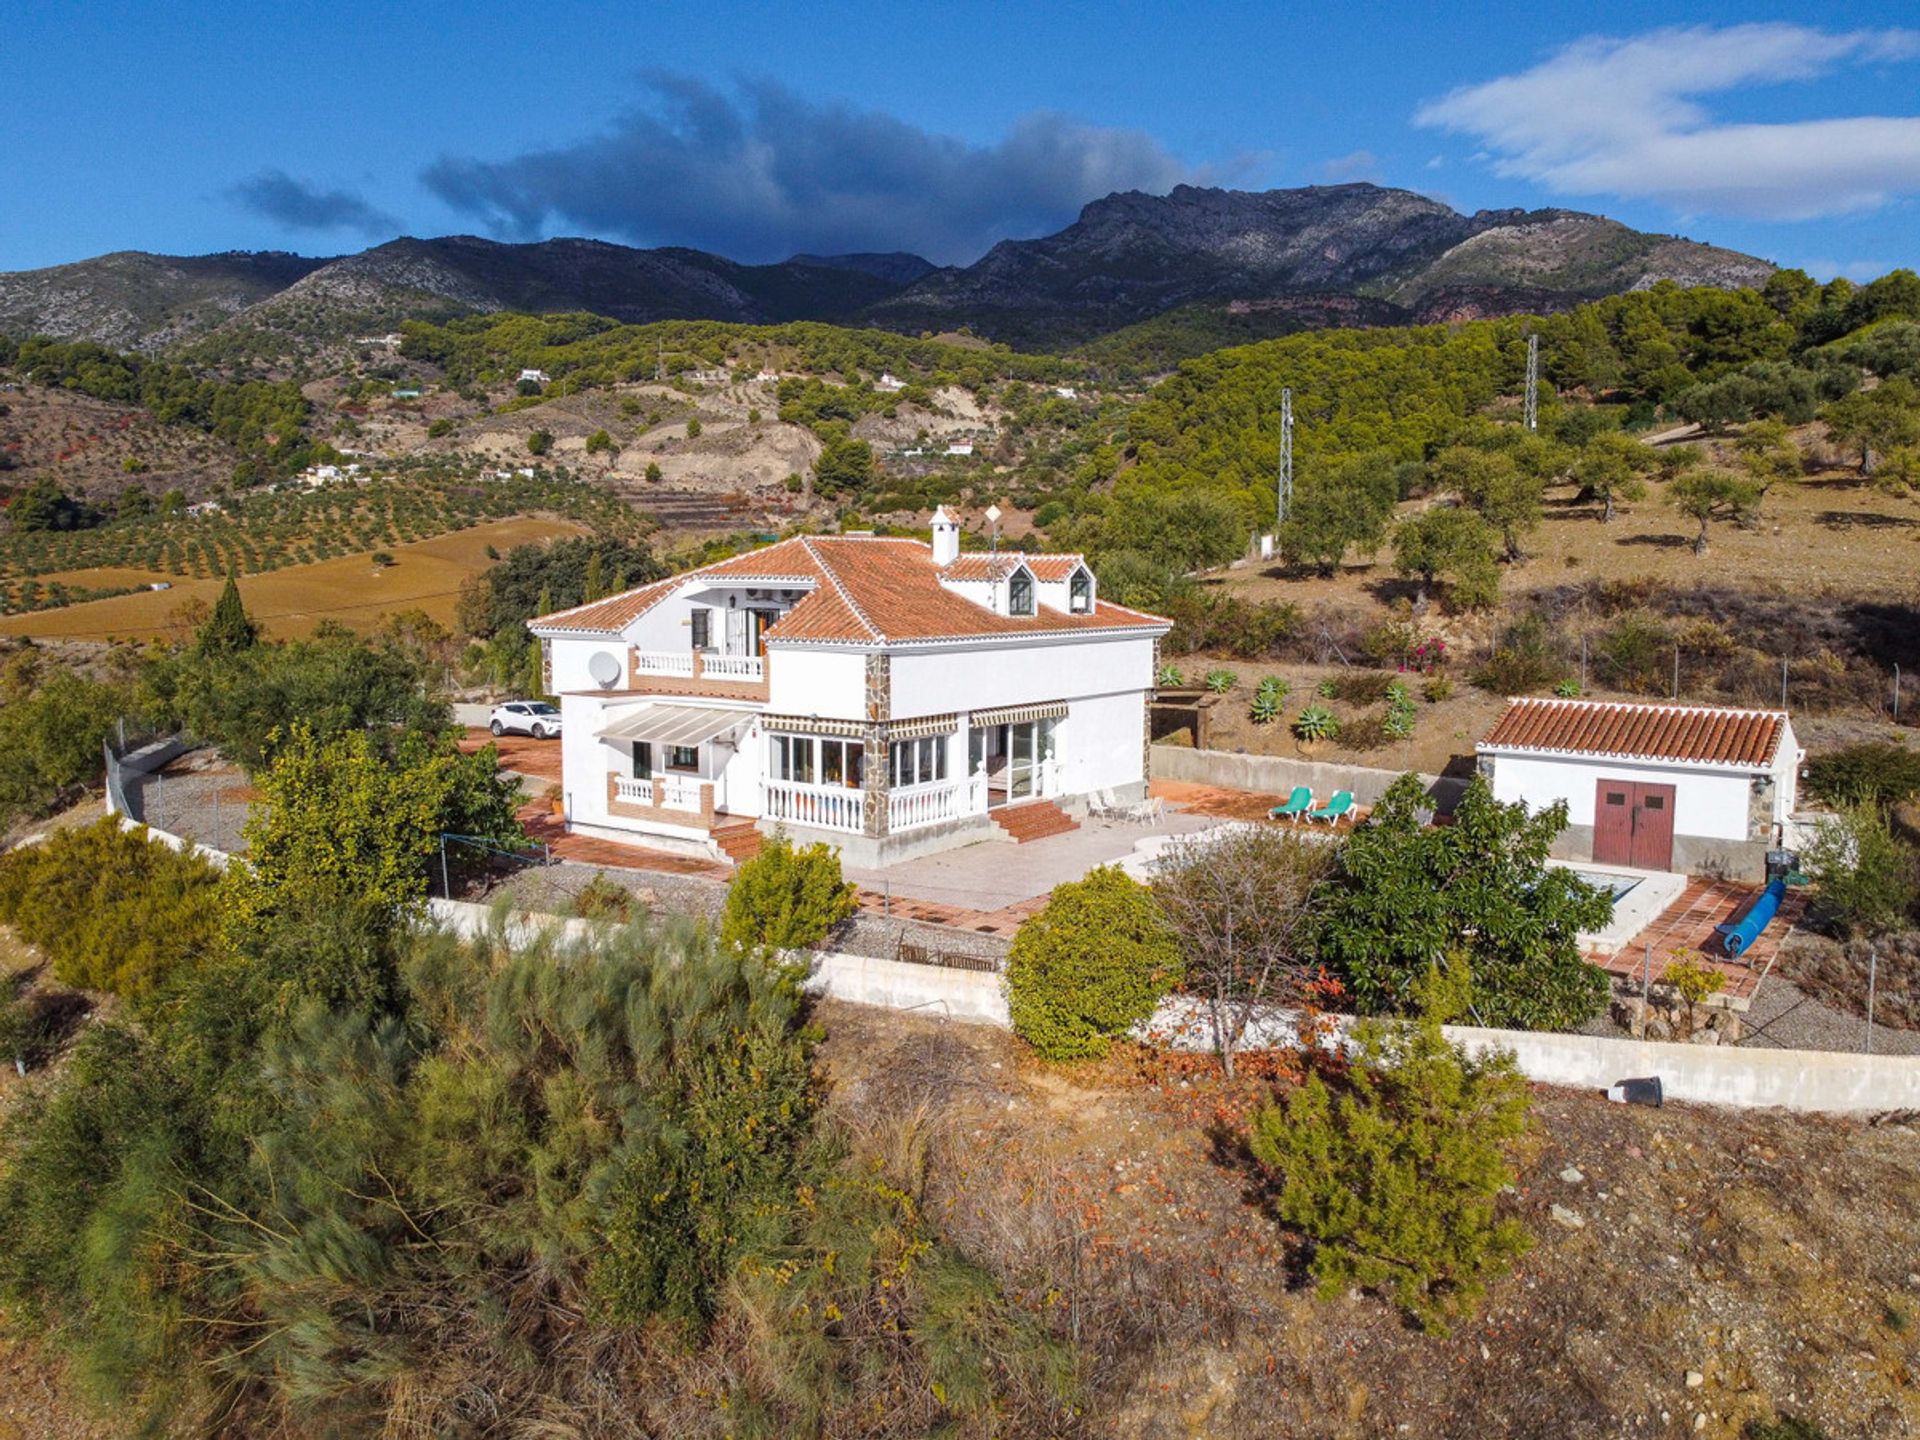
x: 131, y: 300
x: 1322, y: 254
x: 1133, y: 256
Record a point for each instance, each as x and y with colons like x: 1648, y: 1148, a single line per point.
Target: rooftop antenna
x: 1285, y: 497
x: 1532, y: 420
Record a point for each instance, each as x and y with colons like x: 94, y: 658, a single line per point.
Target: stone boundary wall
x: 1278, y: 775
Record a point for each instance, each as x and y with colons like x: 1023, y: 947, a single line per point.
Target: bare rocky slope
x: 1128, y: 258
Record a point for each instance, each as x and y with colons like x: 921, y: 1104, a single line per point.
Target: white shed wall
x: 1711, y: 806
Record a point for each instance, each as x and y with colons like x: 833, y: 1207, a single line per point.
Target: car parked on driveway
x: 525, y: 717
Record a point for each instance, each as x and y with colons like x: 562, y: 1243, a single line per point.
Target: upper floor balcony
x: 697, y: 672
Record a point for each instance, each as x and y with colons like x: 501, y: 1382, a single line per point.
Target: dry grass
x: 426, y: 576
x: 1762, y: 1249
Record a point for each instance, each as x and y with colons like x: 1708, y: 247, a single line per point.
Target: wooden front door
x: 1633, y: 824
x: 1652, y: 827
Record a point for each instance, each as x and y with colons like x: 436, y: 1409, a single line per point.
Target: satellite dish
x: 604, y: 666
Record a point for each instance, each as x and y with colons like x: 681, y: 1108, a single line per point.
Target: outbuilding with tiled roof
x: 1650, y: 786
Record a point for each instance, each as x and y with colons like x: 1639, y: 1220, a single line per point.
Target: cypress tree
x: 229, y: 627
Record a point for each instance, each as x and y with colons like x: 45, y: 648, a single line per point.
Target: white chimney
x: 946, y: 538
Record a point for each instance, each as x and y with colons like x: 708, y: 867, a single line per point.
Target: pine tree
x: 229, y: 627
x: 1396, y: 1179
x: 591, y: 590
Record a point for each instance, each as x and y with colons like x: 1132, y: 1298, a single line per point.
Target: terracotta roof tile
x: 614, y: 612
x: 1689, y: 733
x: 868, y: 590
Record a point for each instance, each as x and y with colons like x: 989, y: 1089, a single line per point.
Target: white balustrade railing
x: 733, y: 667
x: 672, y: 792
x: 663, y: 662
x: 920, y: 805
x: 823, y: 807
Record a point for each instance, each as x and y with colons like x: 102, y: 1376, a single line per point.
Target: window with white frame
x: 1020, y: 593
x: 918, y: 762
x: 702, y: 628
x: 810, y: 760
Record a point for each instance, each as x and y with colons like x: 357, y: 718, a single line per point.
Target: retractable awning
x: 674, y: 724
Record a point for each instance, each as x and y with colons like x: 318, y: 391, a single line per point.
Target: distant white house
x: 538, y: 377
x: 881, y: 694
x: 960, y: 447
x: 205, y: 507
x: 1651, y: 786
x: 767, y: 376
x: 1066, y: 392
x: 889, y: 382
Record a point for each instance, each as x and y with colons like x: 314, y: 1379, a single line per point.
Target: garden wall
x: 1278, y: 775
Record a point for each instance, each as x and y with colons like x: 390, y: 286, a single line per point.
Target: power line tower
x: 1285, y: 497
x: 1533, y: 382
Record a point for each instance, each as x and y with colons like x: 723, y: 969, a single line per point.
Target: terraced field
x: 426, y: 575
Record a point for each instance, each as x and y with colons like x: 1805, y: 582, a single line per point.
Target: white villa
x: 885, y: 695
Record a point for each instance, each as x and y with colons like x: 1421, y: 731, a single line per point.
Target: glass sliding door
x: 1022, y: 741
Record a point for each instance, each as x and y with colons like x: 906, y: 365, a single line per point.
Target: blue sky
x: 1789, y: 131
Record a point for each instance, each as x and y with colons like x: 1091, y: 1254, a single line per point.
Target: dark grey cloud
x: 302, y: 205
x: 760, y: 173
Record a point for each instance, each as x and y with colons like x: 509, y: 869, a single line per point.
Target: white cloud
x: 1613, y: 116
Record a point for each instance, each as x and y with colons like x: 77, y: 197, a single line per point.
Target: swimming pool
x: 1614, y: 884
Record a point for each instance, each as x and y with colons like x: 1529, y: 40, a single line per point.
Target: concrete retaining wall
x: 134, y: 765
x: 1813, y: 1080
x: 1277, y: 775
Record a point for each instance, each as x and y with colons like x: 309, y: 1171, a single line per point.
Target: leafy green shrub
x: 1568, y: 689
x: 787, y: 899
x: 1090, y: 966
x: 1396, y: 1179
x: 693, y: 428
x: 1526, y: 660
x: 1316, y: 722
x: 1437, y: 689
x: 1221, y: 681
x: 440, y: 428
x: 1876, y: 771
x: 1327, y: 690
x: 1170, y: 677
x: 1481, y: 888
x: 1864, y: 875
x: 604, y: 899
x: 111, y: 909
x: 539, y: 442
x: 599, y: 442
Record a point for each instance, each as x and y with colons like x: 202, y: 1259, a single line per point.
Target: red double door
x: 1633, y: 824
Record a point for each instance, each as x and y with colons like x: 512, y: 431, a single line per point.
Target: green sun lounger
x: 1298, y: 804
x: 1339, y: 805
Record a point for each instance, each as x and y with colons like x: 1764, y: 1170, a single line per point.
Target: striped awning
x: 1018, y: 714
x: 813, y: 725
x: 922, y: 727
x: 674, y: 724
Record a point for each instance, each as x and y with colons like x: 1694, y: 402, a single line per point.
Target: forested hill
x: 1261, y: 263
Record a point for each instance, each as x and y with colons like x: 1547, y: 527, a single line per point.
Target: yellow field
x: 426, y: 575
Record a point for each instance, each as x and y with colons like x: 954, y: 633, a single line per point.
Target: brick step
x: 739, y: 841
x: 1034, y: 820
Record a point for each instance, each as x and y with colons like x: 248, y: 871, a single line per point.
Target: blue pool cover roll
x: 1736, y: 937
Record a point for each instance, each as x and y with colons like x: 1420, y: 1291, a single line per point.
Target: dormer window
x: 1020, y: 593
x: 1080, y: 593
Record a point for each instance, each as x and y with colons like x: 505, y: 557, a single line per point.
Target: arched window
x: 1020, y: 593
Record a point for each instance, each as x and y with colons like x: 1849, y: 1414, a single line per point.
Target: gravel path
x: 200, y: 797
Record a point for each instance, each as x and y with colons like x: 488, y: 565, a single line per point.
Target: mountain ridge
x: 1127, y: 258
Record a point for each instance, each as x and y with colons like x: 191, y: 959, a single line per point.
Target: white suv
x: 525, y: 717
